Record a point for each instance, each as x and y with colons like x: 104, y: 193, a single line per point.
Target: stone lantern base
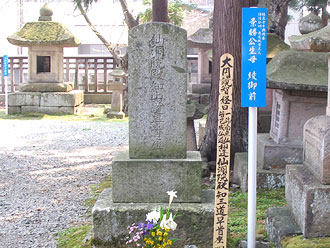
x: 46, y: 102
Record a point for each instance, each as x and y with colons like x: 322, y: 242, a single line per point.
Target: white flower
x: 168, y: 223
x: 153, y: 216
x: 172, y: 194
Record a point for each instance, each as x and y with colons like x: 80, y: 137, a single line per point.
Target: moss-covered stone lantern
x: 45, y: 40
x: 45, y: 92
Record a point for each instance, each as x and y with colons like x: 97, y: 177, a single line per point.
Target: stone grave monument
x: 299, y: 83
x: 157, y: 160
x: 46, y: 91
x: 307, y: 188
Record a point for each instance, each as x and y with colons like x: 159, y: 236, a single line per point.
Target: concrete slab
x: 195, y: 223
x: 135, y: 180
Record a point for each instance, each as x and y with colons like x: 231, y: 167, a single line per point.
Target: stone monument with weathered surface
x: 46, y: 91
x: 307, y: 188
x: 157, y: 160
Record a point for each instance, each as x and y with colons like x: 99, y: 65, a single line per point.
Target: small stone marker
x: 157, y: 91
x: 223, y: 150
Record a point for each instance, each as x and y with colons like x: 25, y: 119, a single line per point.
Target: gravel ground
x: 46, y: 168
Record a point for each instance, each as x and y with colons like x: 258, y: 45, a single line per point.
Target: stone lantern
x: 117, y: 87
x: 46, y: 91
x: 307, y: 186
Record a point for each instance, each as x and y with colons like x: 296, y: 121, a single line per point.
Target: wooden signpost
x: 223, y: 150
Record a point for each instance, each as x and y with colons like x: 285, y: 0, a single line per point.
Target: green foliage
x: 73, y: 237
x: 301, y: 242
x: 175, y: 11
x: 237, y: 221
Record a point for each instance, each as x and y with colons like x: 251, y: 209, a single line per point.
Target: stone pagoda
x: 46, y: 91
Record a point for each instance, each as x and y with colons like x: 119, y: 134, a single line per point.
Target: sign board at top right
x: 254, y: 52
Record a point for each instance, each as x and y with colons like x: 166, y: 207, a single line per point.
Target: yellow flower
x: 153, y: 234
x: 167, y: 230
x: 159, y: 233
x: 165, y: 234
x: 169, y: 242
x: 160, y: 238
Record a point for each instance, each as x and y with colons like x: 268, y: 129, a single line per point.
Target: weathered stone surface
x: 24, y: 99
x: 50, y: 110
x: 240, y: 170
x: 280, y: 223
x: 202, y: 38
x: 135, y: 180
x: 195, y: 223
x: 158, y: 86
x: 272, y: 155
x: 43, y: 33
x: 97, y: 98
x: 259, y: 244
x: 14, y: 110
x: 275, y: 45
x: 291, y: 110
x: 309, y: 201
x: 298, y: 70
x: 310, y: 23
x: 317, y: 147
x: 46, y: 87
x: 318, y: 41
x: 200, y: 88
x: 59, y: 99
x: 195, y: 110
x: 265, y: 178
x: 201, y: 131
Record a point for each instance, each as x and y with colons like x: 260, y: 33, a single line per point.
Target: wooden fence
x: 89, y: 73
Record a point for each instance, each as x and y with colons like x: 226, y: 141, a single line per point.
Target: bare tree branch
x: 129, y: 19
x: 108, y: 45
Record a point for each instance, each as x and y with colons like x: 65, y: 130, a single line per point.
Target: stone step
x: 265, y: 178
x: 280, y: 223
x: 272, y: 155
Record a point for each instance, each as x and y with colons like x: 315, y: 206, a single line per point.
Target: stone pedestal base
x: 309, y: 201
x: 117, y: 115
x: 195, y: 223
x: 46, y: 103
x: 265, y: 178
x: 276, y: 156
x: 141, y: 180
x: 280, y: 223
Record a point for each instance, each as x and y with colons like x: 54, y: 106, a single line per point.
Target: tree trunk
x: 280, y: 17
x: 226, y: 38
x: 129, y: 19
x: 159, y: 11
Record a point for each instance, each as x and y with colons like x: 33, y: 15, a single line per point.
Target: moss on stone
x: 300, y: 242
x: 275, y: 45
x: 298, y: 70
x: 43, y: 33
